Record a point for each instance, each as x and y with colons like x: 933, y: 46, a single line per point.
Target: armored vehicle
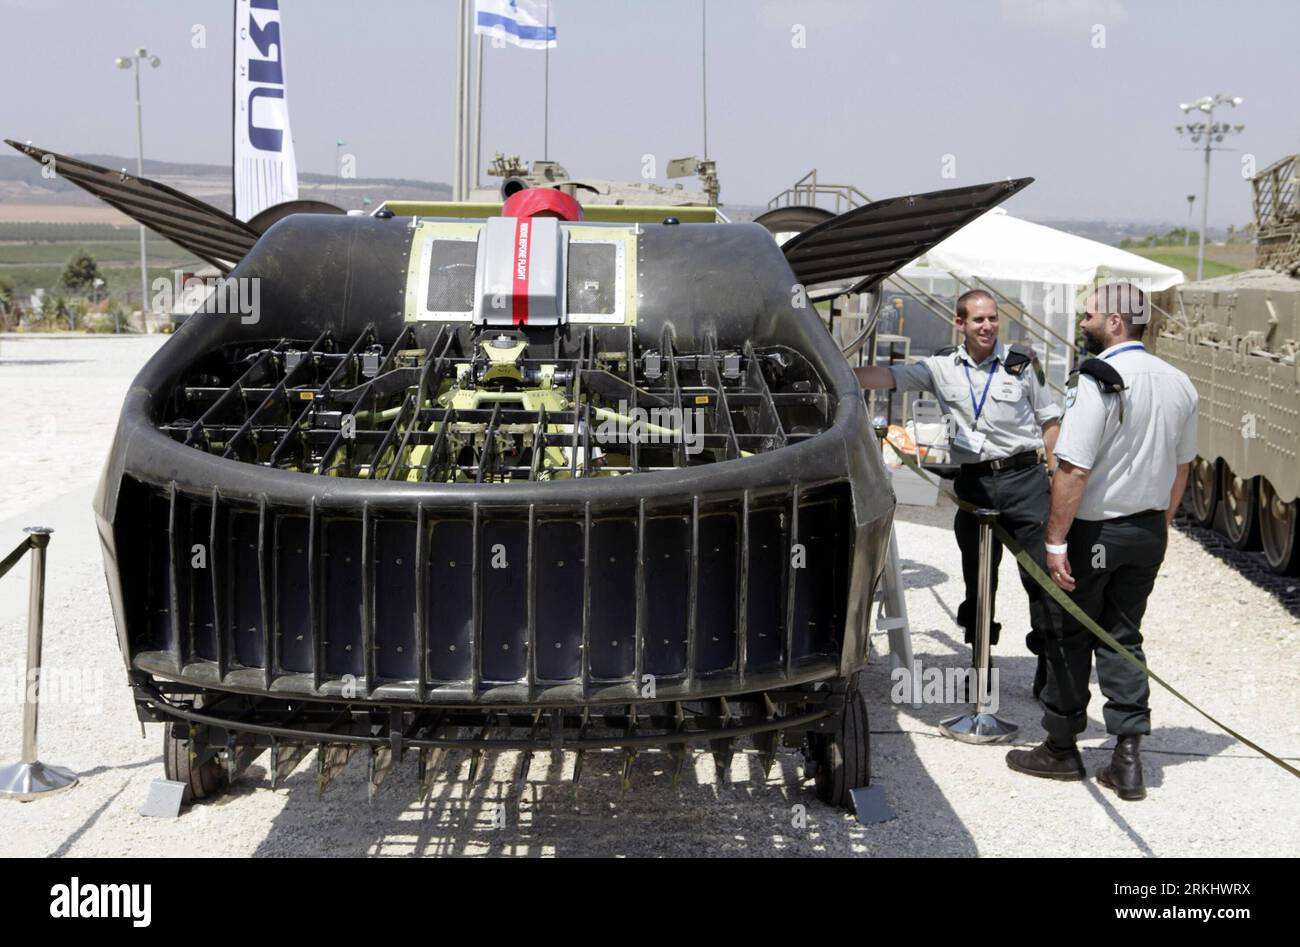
x: 551, y: 478
x: 517, y: 174
x: 1237, y: 338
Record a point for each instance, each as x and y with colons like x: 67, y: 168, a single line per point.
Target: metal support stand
x: 892, y: 614
x: 891, y: 617
x: 30, y: 778
x: 982, y: 726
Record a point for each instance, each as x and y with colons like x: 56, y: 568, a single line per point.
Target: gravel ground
x: 61, y: 395
x: 1222, y: 639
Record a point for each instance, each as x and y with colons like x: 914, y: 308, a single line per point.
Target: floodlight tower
x: 1211, y: 131
x: 141, y: 55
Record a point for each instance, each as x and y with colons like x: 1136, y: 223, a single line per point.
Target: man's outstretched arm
x: 875, y: 377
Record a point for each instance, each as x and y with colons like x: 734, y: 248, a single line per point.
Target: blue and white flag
x: 526, y: 23
x: 265, y: 171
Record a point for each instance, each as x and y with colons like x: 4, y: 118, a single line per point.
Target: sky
x: 893, y: 97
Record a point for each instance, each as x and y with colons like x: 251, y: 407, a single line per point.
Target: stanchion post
x: 981, y: 654
x: 980, y: 726
x: 30, y: 778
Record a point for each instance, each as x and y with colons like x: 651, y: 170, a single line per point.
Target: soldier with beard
x: 1126, y: 442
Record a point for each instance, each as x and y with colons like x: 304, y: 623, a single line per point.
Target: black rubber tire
x: 1240, y: 510
x: 844, y: 757
x: 1279, y: 535
x: 201, y: 782
x: 1203, y: 491
x: 792, y: 220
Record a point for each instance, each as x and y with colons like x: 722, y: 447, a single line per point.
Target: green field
x: 33, y: 256
x: 64, y: 233
x: 121, y: 282
x: 1219, y: 261
x: 104, y: 251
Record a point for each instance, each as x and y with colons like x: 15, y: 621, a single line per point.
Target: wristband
x: 1056, y: 550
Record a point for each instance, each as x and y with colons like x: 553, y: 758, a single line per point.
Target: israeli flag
x: 526, y: 23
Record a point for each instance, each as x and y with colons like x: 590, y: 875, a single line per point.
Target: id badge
x: 972, y: 441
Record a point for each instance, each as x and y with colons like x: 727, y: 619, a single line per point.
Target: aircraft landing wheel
x: 1277, y: 530
x: 1240, y: 509
x: 1203, y: 491
x: 202, y: 780
x: 842, y: 760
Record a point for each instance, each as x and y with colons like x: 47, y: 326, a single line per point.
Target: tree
x: 6, y: 301
x: 81, y: 272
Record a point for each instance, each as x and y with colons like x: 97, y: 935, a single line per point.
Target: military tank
x: 1236, y: 337
x: 527, y: 477
x: 517, y: 174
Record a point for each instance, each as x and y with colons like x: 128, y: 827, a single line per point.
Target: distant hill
x: 21, y: 183
x: 1112, y: 232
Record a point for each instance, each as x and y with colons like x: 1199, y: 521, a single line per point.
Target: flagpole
x: 468, y: 48
x: 546, y: 110
x: 234, y: 111
x: 704, y: 69
x: 458, y: 175
x: 478, y: 116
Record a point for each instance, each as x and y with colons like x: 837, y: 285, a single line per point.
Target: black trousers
x: 1022, y: 498
x: 1114, y: 563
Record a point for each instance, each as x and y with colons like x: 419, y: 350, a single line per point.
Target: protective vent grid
x: 430, y: 408
x: 451, y: 276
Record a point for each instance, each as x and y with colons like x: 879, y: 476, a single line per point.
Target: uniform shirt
x: 1014, y: 411
x: 1132, y: 462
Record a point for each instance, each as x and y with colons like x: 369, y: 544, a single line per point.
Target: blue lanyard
x: 978, y: 408
x: 1124, y: 348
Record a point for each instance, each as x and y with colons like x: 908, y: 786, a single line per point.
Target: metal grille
x: 406, y: 410
x: 513, y: 605
x: 528, y: 602
x: 1277, y: 215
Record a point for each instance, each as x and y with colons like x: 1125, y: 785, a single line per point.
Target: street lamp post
x: 1212, y: 132
x: 127, y: 62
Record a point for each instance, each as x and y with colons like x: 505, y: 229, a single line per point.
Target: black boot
x: 1124, y: 774
x: 1048, y: 761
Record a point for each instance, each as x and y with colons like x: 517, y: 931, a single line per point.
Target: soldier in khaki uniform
x: 1126, y: 442
x: 1003, y: 418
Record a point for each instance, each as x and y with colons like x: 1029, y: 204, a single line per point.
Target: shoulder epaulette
x: 1105, y: 374
x: 1019, y: 357
x: 946, y: 350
